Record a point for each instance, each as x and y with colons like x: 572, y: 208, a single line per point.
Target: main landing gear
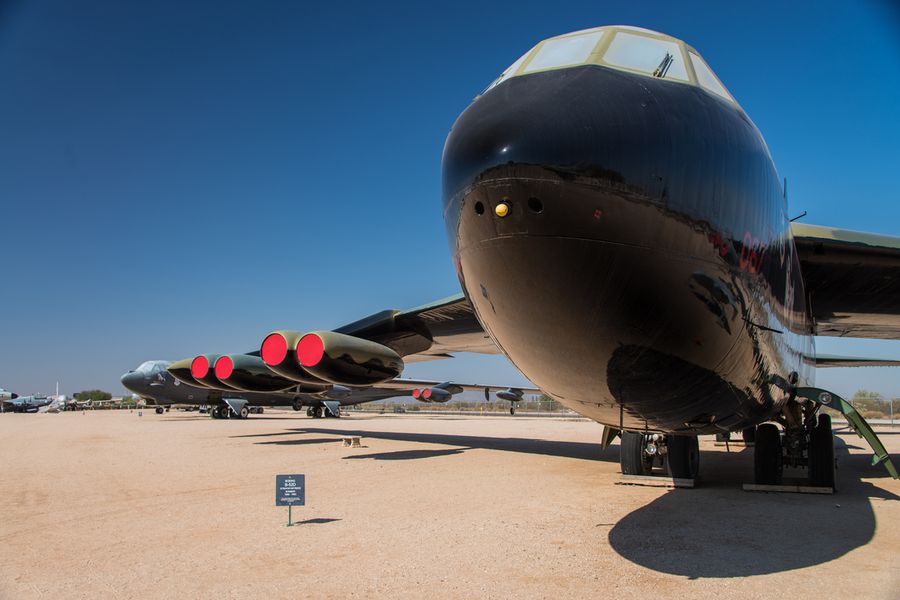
x: 319, y: 412
x: 678, y: 454
x: 807, y: 439
x: 810, y: 445
x: 223, y: 411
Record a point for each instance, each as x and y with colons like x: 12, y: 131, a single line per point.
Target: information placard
x: 290, y: 490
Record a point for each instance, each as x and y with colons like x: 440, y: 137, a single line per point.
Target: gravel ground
x: 108, y: 504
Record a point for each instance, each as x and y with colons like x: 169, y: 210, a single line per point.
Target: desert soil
x: 109, y: 504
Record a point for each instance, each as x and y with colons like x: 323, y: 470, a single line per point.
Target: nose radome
x: 132, y: 380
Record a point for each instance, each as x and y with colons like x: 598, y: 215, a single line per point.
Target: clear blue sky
x: 183, y: 177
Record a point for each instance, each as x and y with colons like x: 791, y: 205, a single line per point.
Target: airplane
x: 7, y: 395
x: 621, y: 234
x: 25, y: 404
x: 153, y: 381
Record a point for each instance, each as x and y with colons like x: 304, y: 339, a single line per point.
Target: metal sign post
x: 290, y: 490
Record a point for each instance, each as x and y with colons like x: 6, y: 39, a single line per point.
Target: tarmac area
x: 107, y: 504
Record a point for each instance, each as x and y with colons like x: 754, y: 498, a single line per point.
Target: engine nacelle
x: 249, y: 373
x: 347, y: 360
x: 434, y: 394
x: 279, y: 354
x: 198, y: 372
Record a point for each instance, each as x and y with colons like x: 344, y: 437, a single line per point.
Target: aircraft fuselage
x: 644, y: 273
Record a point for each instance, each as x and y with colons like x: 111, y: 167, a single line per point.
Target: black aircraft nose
x: 133, y: 381
x: 588, y: 121
x: 587, y: 202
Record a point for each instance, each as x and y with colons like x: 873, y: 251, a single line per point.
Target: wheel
x: 632, y: 458
x: 245, y: 412
x: 512, y: 409
x: 259, y: 410
x: 749, y: 435
x: 310, y: 412
x: 767, y: 462
x: 214, y: 413
x: 821, y: 454
x: 224, y: 412
x: 682, y: 456
x: 160, y: 410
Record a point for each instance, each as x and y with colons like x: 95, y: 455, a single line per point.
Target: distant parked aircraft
x: 27, y: 403
x: 153, y: 381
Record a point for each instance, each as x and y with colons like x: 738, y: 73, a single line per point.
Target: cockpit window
x: 633, y: 49
x: 708, y: 79
x: 149, y: 367
x: 561, y: 52
x: 660, y: 58
x: 510, y: 71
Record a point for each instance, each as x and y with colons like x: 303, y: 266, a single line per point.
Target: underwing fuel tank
x: 347, y: 360
x: 249, y: 374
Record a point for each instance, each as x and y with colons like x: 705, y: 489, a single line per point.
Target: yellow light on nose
x: 502, y: 209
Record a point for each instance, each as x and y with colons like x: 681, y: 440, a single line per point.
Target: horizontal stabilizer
x: 834, y: 360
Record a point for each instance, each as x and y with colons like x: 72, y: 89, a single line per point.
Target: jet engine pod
x: 279, y: 354
x: 249, y: 374
x: 347, y: 360
x: 181, y: 370
x: 435, y: 394
x: 202, y: 371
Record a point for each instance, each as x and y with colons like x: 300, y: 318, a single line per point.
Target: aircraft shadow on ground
x: 579, y: 450
x: 718, y: 530
x: 407, y: 454
x: 179, y: 418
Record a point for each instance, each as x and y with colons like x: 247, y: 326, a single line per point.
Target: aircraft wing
x: 833, y: 360
x: 852, y: 279
x: 428, y: 332
x: 454, y: 387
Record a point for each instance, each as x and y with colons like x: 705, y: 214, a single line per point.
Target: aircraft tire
x: 512, y: 409
x: 821, y: 454
x: 310, y: 411
x: 245, y: 412
x: 683, y: 456
x: 767, y: 461
x: 259, y: 410
x: 321, y: 412
x: 749, y: 435
x: 160, y: 410
x: 632, y: 458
